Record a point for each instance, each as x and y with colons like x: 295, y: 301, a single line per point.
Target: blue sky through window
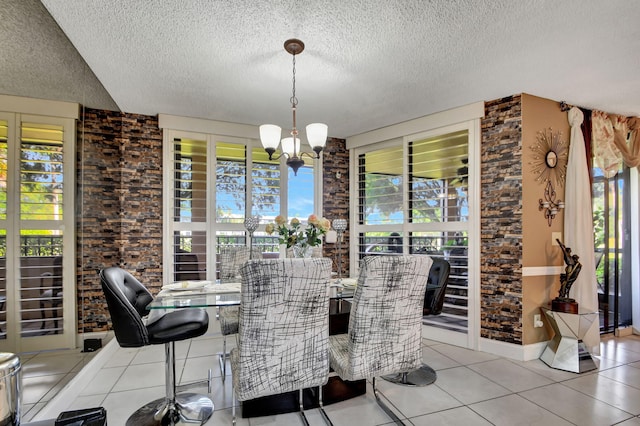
x: 300, y: 194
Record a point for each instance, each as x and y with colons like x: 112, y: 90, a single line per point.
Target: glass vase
x: 302, y: 250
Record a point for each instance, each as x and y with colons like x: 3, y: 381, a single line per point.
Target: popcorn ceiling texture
x: 38, y: 61
x: 367, y: 63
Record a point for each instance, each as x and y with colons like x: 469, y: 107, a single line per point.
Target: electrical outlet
x: 537, y: 321
x: 556, y: 236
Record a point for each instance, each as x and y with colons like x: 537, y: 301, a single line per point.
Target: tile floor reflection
x: 473, y: 388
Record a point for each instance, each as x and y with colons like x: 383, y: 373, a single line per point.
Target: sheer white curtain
x: 605, y: 154
x: 627, y: 128
x: 578, y: 228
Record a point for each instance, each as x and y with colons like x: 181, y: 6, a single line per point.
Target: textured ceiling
x: 37, y: 60
x: 367, y: 63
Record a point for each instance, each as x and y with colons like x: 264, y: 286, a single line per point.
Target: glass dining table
x: 204, y: 294
x: 208, y: 294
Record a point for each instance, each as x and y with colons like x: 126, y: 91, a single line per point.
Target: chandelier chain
x: 270, y: 134
x: 294, y: 100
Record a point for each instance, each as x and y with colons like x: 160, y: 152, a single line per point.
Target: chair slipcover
x: 231, y: 259
x: 385, y: 326
x: 283, y: 336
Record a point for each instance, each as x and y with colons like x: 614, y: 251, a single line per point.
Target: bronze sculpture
x: 563, y: 302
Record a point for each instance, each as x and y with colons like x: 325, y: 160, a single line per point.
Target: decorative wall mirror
x: 551, y: 159
x: 550, y: 155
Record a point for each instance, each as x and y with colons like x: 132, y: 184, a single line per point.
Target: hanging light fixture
x: 316, y: 132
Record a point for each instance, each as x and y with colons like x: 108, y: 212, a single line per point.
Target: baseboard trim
x: 105, y: 336
x: 71, y: 391
x: 512, y: 350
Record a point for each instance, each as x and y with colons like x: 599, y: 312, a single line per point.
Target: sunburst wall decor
x: 550, y: 154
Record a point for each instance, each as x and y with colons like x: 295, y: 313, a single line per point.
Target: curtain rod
x: 565, y: 106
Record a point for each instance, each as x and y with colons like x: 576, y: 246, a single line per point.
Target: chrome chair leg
x: 302, y: 415
x: 198, y: 383
x: 325, y: 417
x: 222, y: 358
x: 233, y: 406
x: 384, y: 406
x: 185, y: 408
x: 422, y: 376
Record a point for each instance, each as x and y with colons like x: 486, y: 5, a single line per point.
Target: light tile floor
x: 473, y: 388
x: 45, y: 374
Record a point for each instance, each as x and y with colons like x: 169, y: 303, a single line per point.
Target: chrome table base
x: 190, y: 409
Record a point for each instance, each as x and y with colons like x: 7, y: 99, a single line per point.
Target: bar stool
x: 127, y: 299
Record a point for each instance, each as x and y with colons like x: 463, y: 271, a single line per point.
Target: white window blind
x: 189, y: 201
x: 413, y: 198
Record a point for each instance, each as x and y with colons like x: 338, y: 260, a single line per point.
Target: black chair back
x: 186, y: 266
x: 126, y: 299
x: 436, y: 286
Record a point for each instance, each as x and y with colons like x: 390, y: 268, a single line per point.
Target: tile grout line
x: 72, y: 390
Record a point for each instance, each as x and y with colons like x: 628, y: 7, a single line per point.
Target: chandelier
x: 316, y: 132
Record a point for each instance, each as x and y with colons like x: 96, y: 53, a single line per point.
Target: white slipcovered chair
x: 385, y: 326
x: 231, y: 259
x: 283, y: 335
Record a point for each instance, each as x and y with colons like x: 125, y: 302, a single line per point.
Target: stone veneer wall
x: 501, y: 221
x: 120, y: 200
x: 335, y: 199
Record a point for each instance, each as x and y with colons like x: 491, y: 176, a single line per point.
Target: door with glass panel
x: 37, y: 292
x: 613, y: 235
x: 413, y: 198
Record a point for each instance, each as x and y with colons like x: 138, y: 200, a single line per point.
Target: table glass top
x: 202, y: 294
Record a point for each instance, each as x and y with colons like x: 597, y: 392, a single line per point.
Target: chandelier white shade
x: 317, y: 135
x: 270, y: 134
x: 287, y: 146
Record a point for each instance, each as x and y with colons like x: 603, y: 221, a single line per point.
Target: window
x: 189, y: 208
x: 216, y: 182
x: 612, y: 226
x: 37, y: 240
x: 413, y: 198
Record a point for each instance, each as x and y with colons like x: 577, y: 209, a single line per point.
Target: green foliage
x: 293, y: 233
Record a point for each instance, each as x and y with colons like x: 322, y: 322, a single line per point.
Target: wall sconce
x: 550, y: 205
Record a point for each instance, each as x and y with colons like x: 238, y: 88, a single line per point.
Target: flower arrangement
x: 293, y: 234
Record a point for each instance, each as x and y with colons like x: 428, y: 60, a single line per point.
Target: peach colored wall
x: 537, y: 249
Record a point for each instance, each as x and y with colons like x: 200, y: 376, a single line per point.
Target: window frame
x: 16, y: 111
x: 463, y: 118
x: 205, y: 130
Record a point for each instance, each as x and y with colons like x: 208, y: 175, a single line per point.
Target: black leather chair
x: 433, y: 301
x: 186, y: 266
x: 127, y: 301
x: 436, y: 286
